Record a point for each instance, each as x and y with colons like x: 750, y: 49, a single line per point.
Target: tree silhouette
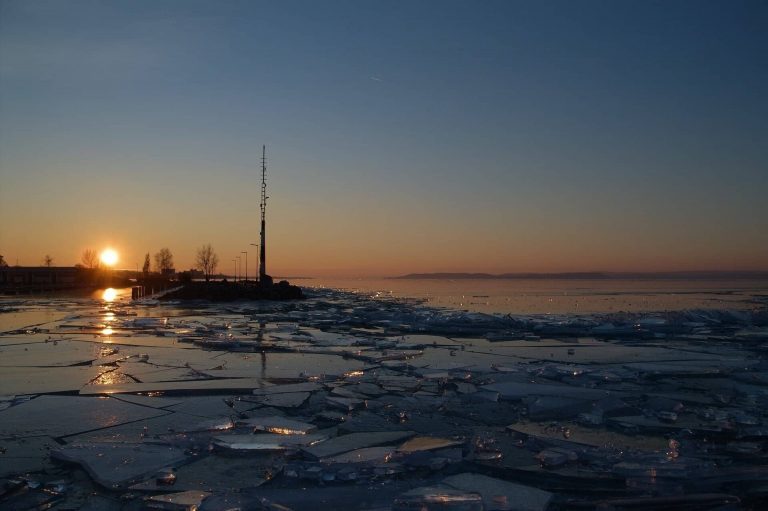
x: 207, y: 260
x: 164, y: 260
x: 90, y: 258
x: 3, y: 264
x: 145, y: 268
x: 47, y: 261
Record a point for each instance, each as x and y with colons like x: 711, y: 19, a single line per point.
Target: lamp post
x: 257, y: 250
x: 246, y: 265
x: 240, y: 263
x: 235, y: 261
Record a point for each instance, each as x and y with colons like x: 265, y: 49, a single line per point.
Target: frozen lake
x: 387, y: 400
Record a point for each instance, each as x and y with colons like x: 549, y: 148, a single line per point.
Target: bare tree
x: 47, y: 261
x: 90, y: 258
x: 207, y: 260
x: 164, y: 260
x: 145, y: 268
x: 3, y: 264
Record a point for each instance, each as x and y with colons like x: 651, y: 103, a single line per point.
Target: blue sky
x: 401, y: 136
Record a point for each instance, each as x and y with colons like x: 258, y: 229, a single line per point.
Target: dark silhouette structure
x: 264, y: 279
x: 223, y: 291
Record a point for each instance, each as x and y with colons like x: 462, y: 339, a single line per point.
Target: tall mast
x: 262, y: 247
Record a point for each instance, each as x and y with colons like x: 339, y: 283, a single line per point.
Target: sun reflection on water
x: 109, y: 295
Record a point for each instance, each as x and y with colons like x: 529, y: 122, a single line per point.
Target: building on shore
x: 21, y: 279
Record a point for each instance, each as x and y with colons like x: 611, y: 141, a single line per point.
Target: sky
x: 429, y: 136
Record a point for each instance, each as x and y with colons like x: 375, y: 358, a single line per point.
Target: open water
x: 562, y: 296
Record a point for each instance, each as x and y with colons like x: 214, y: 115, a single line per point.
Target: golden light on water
x: 109, y: 257
x: 107, y: 331
x: 109, y: 295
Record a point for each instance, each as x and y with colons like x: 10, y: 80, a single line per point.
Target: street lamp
x: 246, y: 265
x: 257, y: 251
x: 240, y: 262
x: 235, y: 261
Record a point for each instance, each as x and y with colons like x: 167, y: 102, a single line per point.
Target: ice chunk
x: 515, y: 391
x: 266, y: 442
x: 345, y: 404
x: 365, y: 455
x: 182, y: 501
x: 120, y: 465
x: 353, y: 441
x: 554, y: 408
x: 279, y: 425
x: 288, y: 400
x: 427, y: 443
x: 72, y: 415
x: 284, y: 389
x: 438, y: 498
x: 501, y: 495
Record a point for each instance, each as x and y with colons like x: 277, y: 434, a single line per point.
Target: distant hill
x: 678, y: 275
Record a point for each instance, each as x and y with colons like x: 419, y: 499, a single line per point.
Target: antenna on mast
x: 263, y: 278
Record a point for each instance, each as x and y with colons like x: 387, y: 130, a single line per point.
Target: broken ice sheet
x: 222, y: 473
x: 48, y: 353
x: 287, y: 400
x: 150, y: 373
x: 501, y: 495
x: 288, y: 388
x: 364, y: 455
x: 42, y: 380
x: 266, y: 442
x: 182, y: 501
x: 21, y: 455
x: 30, y: 317
x: 72, y: 415
x: 426, y: 443
x: 438, y: 498
x: 211, y: 385
x: 115, y: 465
x: 588, y: 436
x: 517, y: 391
x: 344, y: 404
x: 279, y: 425
x: 353, y: 441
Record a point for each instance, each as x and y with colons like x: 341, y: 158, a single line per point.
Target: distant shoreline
x: 682, y: 275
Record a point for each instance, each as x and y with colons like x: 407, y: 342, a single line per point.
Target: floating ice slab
x: 279, y: 425
x: 284, y: 389
x: 515, y: 391
x: 267, y: 442
x: 151, y: 401
x: 344, y: 404
x: 221, y: 473
x: 64, y: 415
x: 239, y: 384
x: 24, y: 455
x: 39, y: 380
x: 427, y: 443
x: 501, y: 495
x: 287, y: 400
x: 120, y: 465
x: 365, y: 455
x: 182, y: 501
x: 438, y: 498
x: 353, y: 441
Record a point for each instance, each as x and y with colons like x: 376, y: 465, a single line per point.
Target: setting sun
x: 109, y: 257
